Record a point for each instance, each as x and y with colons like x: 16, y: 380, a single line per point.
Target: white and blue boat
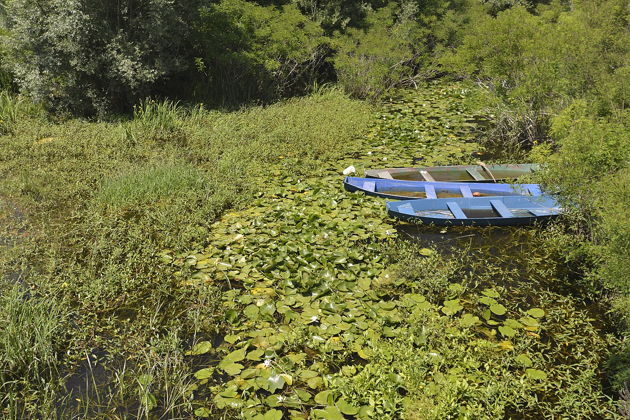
x: 405, y: 190
x: 477, y: 211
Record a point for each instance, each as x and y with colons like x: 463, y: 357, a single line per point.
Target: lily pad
x: 536, y: 312
x: 498, y: 309
x: 536, y: 374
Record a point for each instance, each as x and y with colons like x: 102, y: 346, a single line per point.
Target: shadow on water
x: 12, y: 231
x: 527, y: 262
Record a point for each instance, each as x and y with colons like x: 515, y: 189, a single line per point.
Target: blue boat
x: 405, y: 190
x: 477, y: 211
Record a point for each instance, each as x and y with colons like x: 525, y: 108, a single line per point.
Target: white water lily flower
x: 314, y: 318
x: 267, y: 363
x: 349, y: 170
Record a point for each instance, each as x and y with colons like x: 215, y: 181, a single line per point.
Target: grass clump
x: 161, y: 181
x: 31, y: 339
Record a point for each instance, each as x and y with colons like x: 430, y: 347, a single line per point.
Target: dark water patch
x: 12, y: 231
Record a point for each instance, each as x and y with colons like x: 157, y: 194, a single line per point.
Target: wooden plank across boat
x: 457, y: 173
x: 405, y: 190
x: 477, y: 211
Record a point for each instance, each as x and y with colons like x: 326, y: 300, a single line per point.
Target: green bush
x: 251, y: 52
x: 91, y: 57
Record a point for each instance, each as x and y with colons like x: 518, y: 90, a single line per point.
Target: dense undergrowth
x: 190, y: 262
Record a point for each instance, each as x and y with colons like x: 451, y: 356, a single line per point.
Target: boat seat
x: 475, y: 174
x: 456, y: 210
x: 369, y: 186
x: 427, y: 176
x: 501, y: 209
x: 465, y: 189
x: 430, y: 191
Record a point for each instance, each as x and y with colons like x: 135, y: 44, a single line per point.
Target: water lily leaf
x: 364, y: 283
x: 507, y: 331
x: 287, y: 378
x: 468, y: 320
x: 427, y: 252
x: 275, y: 382
x: 536, y: 312
x: 324, y: 397
x: 202, y: 412
x: 487, y: 300
x: 451, y: 307
x: 255, y: 354
x: 200, y: 348
x: 231, y: 368
x: 251, y: 311
x: 512, y: 323
x: 315, y: 382
x: 491, y: 293
x: 498, y: 309
x: 530, y: 322
x: 273, y: 400
x: 536, y: 374
x: 204, y: 373
x: 524, y: 360
x: 273, y: 415
x: 235, y: 356
x: 329, y: 413
x: 506, y: 345
x: 231, y: 338
x: 346, y: 408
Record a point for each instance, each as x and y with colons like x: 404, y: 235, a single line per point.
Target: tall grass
x: 150, y: 184
x: 12, y: 108
x: 31, y: 336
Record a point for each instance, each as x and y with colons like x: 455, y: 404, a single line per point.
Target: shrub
x: 251, y: 52
x: 91, y: 57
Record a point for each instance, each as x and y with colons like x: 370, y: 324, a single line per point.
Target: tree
x: 92, y: 56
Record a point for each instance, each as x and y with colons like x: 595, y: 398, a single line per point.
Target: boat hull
x: 477, y: 211
x: 405, y: 190
x: 459, y: 173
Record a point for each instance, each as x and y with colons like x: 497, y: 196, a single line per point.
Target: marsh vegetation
x: 175, y: 241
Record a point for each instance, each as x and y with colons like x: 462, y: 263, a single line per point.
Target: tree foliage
x: 87, y: 56
x: 249, y: 51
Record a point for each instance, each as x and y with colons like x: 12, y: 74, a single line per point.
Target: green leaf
x: 468, y: 320
x: 498, y: 309
x: 231, y: 368
x: 491, y: 293
x: 346, y: 408
x: 236, y: 356
x: 329, y: 413
x: 524, y: 360
x: 275, y: 382
x: 507, y: 331
x: 536, y: 374
x: 324, y: 397
x: 536, y: 312
x: 427, y: 252
x: 273, y: 415
x: 451, y: 307
x: 251, y: 311
x: 487, y: 300
x: 202, y: 412
x: 149, y: 401
x: 204, y: 373
x: 200, y: 348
